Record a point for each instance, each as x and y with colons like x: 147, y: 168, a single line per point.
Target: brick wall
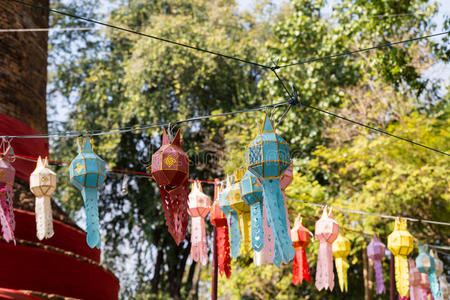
x: 23, y: 64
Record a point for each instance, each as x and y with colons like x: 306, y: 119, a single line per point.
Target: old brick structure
x: 23, y: 64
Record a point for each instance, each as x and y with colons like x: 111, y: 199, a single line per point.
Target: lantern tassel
x: 7, y: 229
x: 380, y: 289
x: 269, y: 243
x: 324, y: 273
x: 276, y: 217
x: 245, y: 225
x: 92, y: 223
x: 341, y: 269
x: 223, y: 251
x: 300, y: 270
x: 175, y: 210
x: 235, y: 234
x: 257, y: 226
x: 402, y: 275
x: 434, y: 284
x: 199, y: 253
x: 44, y: 220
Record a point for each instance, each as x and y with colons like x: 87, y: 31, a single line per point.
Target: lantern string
x: 369, y: 213
x: 273, y: 68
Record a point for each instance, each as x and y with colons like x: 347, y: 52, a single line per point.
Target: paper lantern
x: 268, y: 158
x: 87, y: 172
x: 232, y: 220
x: 170, y: 169
x: 376, y: 252
x: 438, y: 264
x: 414, y: 281
x: 424, y: 286
x: 341, y: 249
x: 425, y: 264
x: 199, y: 206
x: 243, y: 212
x: 326, y: 232
x: 42, y: 185
x: 400, y: 243
x: 300, y: 240
x: 445, y: 287
x: 252, y: 194
x: 7, y: 173
x: 219, y: 220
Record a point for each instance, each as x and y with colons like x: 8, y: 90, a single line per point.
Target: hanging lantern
x: 42, y: 185
x: 268, y: 158
x: 269, y: 243
x: 199, y: 206
x: 232, y: 220
x: 259, y: 259
x: 425, y: 264
x: 252, y: 194
x: 400, y: 243
x: 242, y: 210
x: 341, y: 249
x: 170, y: 169
x: 87, y: 172
x: 300, y: 240
x: 424, y: 286
x: 438, y: 264
x: 376, y: 252
x: 326, y: 231
x: 414, y: 281
x: 445, y: 287
x: 219, y: 220
x: 285, y: 180
x: 7, y: 173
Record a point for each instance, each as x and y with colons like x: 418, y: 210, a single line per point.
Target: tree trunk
x: 367, y: 295
x: 157, y: 275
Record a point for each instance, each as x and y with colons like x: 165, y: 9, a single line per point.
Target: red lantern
x: 219, y: 220
x: 170, y: 169
x: 300, y: 240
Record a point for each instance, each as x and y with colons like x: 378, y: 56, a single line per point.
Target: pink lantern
x: 7, y: 173
x: 424, y: 285
x: 199, y: 206
x: 414, y: 281
x: 326, y: 232
x: 375, y: 251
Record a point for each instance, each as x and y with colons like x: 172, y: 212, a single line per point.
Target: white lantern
x: 42, y: 185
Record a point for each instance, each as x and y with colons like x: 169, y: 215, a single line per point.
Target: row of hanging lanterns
x: 249, y: 212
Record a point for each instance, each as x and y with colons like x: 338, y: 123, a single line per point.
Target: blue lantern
x: 87, y: 173
x: 252, y: 194
x: 268, y: 157
x: 425, y: 264
x: 232, y: 220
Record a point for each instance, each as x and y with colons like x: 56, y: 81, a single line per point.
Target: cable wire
x: 143, y: 127
x: 353, y: 211
x: 142, y: 34
x: 361, y: 50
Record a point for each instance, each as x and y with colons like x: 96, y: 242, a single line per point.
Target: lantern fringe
x: 44, y: 219
x: 5, y: 216
x: 324, y: 273
x: 257, y: 226
x: 235, y: 234
x: 300, y: 269
x: 245, y: 227
x: 380, y: 288
x: 223, y: 251
x: 276, y: 217
x: 175, y: 210
x: 341, y: 270
x: 434, y: 284
x: 269, y: 243
x: 92, y: 220
x: 402, y: 275
x: 199, y: 251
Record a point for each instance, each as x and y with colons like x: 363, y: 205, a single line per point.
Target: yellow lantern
x: 243, y: 211
x: 400, y: 243
x: 341, y: 249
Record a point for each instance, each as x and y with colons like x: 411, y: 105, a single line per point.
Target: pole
x: 214, y: 261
